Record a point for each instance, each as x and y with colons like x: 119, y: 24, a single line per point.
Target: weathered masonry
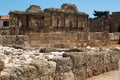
x: 62, y: 40
x: 67, y: 18
x: 72, y: 66
x: 109, y: 24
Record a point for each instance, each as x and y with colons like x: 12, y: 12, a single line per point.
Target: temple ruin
x: 67, y: 18
x: 110, y: 24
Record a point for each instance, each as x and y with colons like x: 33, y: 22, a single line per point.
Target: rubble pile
x: 32, y: 64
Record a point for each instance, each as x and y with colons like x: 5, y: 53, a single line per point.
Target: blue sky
x: 87, y: 6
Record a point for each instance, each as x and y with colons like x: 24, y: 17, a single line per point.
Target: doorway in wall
x: 119, y: 36
x: 70, y: 24
x: 119, y: 28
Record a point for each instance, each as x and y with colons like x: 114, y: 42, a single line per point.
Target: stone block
x: 63, y: 64
x: 2, y: 65
x: 106, y: 58
x: 68, y: 76
x: 80, y: 75
x: 5, y: 76
x: 78, y: 59
x: 36, y: 79
x: 44, y: 67
x: 89, y: 72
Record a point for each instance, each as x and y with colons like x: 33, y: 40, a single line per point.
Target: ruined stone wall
x: 4, y: 32
x: 73, y: 40
x: 62, y: 40
x: 72, y: 66
x: 14, y: 40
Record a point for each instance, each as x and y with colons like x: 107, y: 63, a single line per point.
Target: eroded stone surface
x: 30, y: 64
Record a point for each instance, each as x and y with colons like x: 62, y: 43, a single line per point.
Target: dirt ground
x: 113, y: 75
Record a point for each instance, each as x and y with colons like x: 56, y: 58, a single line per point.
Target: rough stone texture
x: 73, y: 40
x: 17, y: 41
x: 45, y: 68
x: 63, y: 65
x: 65, y: 19
x: 61, y: 40
x: 34, y: 9
x: 109, y: 24
x: 2, y: 65
x: 72, y: 66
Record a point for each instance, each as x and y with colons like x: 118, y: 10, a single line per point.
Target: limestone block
x: 36, y: 79
x: 78, y: 59
x: 106, y: 58
x: 51, y: 77
x: 113, y: 66
x: 1, y: 39
x: 10, y: 72
x: 95, y: 63
x: 5, y: 76
x: 44, y: 78
x: 24, y: 72
x: 59, y: 76
x: 80, y: 75
x: 114, y: 56
x: 89, y: 72
x: 106, y: 68
x: 97, y: 70
x: 2, y: 65
x: 25, y: 78
x: 44, y: 67
x: 68, y: 76
x: 63, y: 64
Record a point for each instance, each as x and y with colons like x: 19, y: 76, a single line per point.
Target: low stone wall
x: 73, y: 40
x: 4, y: 31
x: 14, y: 40
x: 72, y: 66
x: 62, y: 40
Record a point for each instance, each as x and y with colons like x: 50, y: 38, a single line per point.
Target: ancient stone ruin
x: 110, y: 24
x: 60, y: 66
x: 58, y: 44
x: 20, y: 62
x: 66, y: 18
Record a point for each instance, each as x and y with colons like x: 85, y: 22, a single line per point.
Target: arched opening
x: 119, y: 28
x: 110, y: 28
x: 70, y: 24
